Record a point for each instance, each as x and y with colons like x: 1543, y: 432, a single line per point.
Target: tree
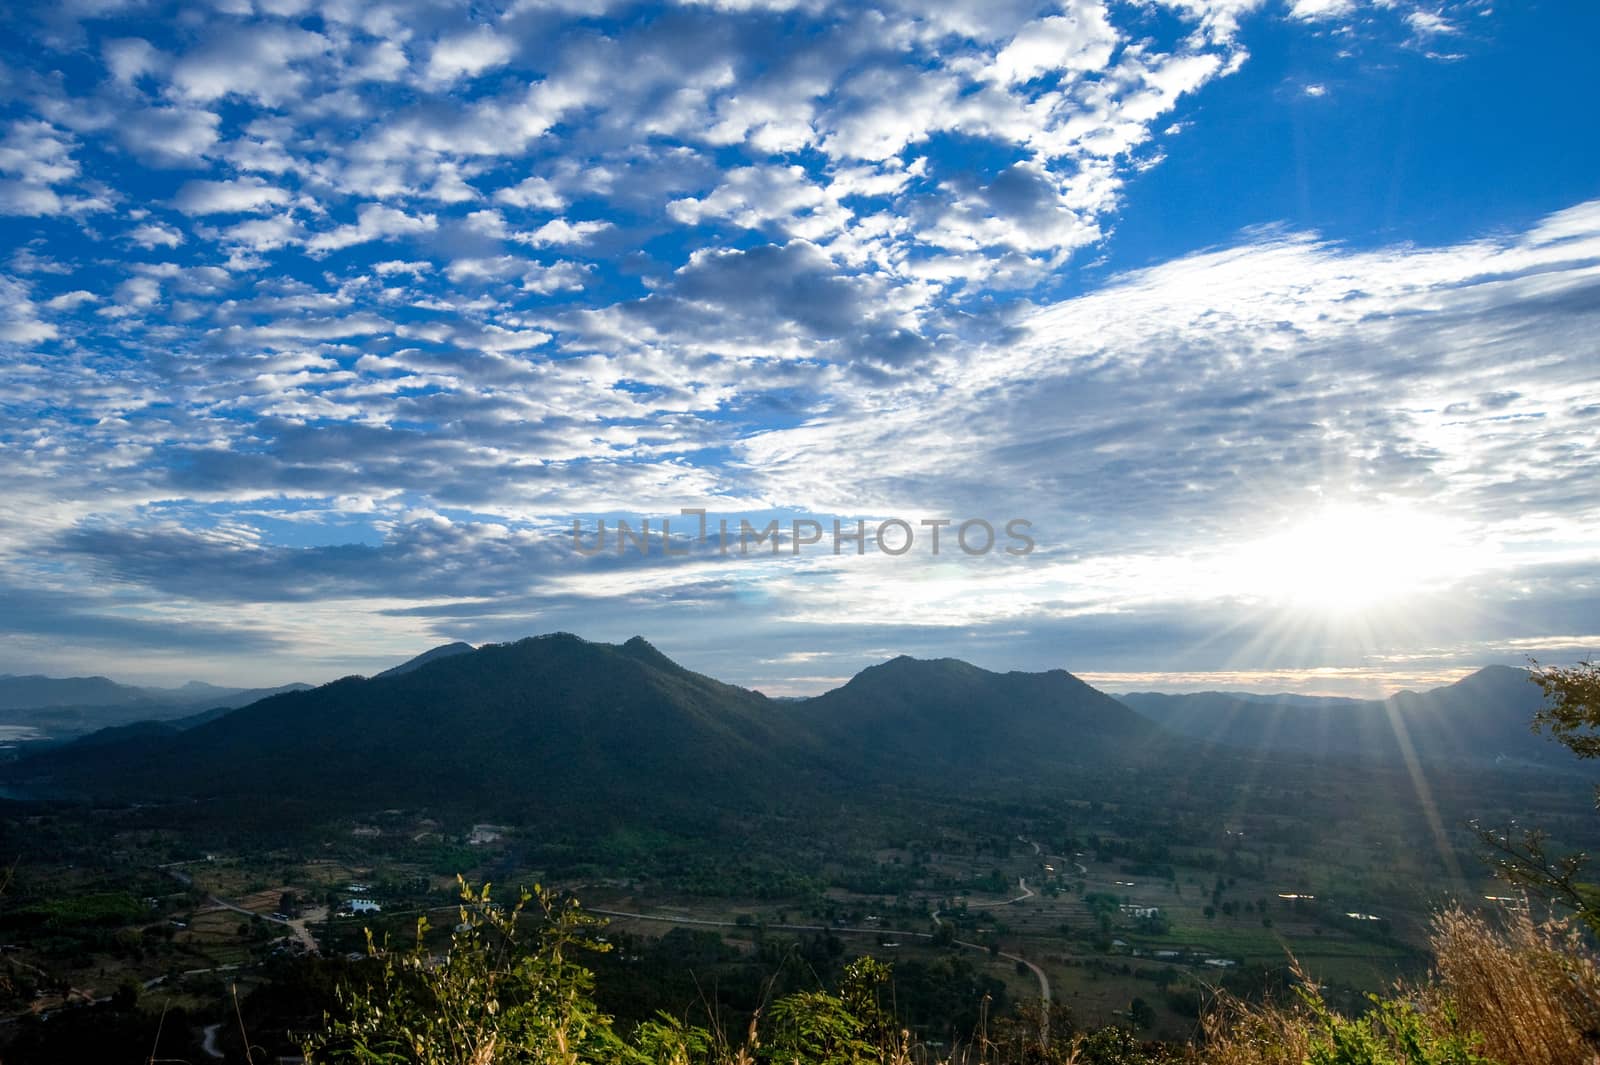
x: 510, y: 991
x: 1573, y: 713
x: 126, y: 996
x: 499, y: 995
x: 1520, y: 856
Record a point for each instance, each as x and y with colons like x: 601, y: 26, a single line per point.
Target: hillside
x: 547, y: 720
x: 557, y: 719
x: 442, y: 651
x: 560, y: 721
x: 1482, y: 718
x: 912, y: 716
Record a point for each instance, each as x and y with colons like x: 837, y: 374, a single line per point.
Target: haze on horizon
x: 320, y: 325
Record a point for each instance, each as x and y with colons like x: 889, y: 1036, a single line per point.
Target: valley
x: 1064, y: 846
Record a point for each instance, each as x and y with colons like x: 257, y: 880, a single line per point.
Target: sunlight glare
x: 1349, y: 558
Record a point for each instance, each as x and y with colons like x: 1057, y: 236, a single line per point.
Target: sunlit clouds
x: 320, y: 324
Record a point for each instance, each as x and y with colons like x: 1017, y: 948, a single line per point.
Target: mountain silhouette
x: 1481, y: 718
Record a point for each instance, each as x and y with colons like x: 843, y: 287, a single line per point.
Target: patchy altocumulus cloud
x: 323, y: 324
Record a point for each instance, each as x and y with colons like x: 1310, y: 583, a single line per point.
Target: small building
x: 363, y: 906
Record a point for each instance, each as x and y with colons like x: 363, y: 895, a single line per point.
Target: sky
x: 1259, y: 334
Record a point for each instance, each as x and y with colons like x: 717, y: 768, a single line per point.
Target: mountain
x: 62, y: 708
x: 442, y: 651
x: 541, y: 722
x: 36, y: 692
x: 555, y: 720
x: 1482, y: 718
x: 950, y: 716
x: 557, y: 723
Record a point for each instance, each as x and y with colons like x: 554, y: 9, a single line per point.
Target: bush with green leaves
x: 1392, y: 1032
x: 509, y: 990
x: 503, y: 992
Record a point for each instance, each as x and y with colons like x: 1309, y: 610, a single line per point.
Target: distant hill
x: 63, y: 707
x: 36, y: 692
x: 949, y: 716
x: 1482, y: 718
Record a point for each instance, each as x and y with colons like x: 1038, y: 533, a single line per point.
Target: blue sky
x: 322, y: 322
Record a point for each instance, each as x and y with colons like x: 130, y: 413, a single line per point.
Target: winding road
x: 299, y: 927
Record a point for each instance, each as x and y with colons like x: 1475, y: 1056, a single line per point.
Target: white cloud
x: 560, y: 231
x: 132, y: 296
x: 71, y: 300
x: 489, y: 222
x: 155, y: 235
x: 396, y: 266
x: 783, y: 198
x: 841, y: 282
x: 491, y: 268
x: 37, y: 157
x: 467, y: 54
x: 560, y: 276
x: 263, y: 234
x: 22, y: 198
x: 239, y: 196
x: 1219, y: 19
x: 258, y: 63
x: 373, y: 222
x: 1315, y: 369
x: 131, y: 58
x: 381, y: 61
x: 1312, y: 10
x: 450, y: 186
x: 37, y: 154
x: 535, y: 192
x: 19, y: 318
x: 169, y: 136
x: 1079, y: 41
x: 1430, y: 23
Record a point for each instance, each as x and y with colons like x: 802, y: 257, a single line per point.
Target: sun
x: 1349, y: 558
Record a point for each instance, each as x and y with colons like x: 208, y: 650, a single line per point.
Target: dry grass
x: 1236, y: 1033
x: 1532, y: 991
x: 1528, y: 994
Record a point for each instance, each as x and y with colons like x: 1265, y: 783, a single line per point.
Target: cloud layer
x: 325, y: 320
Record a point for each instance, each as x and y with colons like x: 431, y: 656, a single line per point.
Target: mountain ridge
x: 559, y: 716
x: 66, y: 707
x: 556, y: 720
x: 1481, y: 718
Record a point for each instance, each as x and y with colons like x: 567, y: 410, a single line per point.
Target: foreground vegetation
x: 1168, y: 921
x: 509, y: 992
x: 1512, y: 992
